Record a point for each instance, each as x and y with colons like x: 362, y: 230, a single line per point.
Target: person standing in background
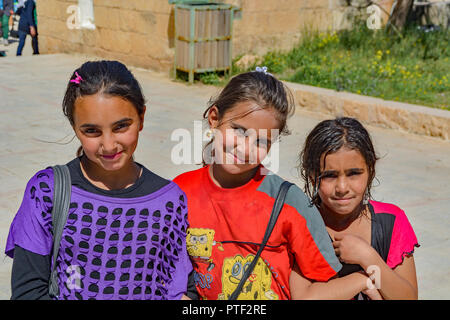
x: 27, y: 25
x: 8, y: 6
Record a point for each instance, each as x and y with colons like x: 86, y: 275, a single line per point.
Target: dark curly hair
x: 328, y: 137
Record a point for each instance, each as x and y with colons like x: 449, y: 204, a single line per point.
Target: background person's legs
x: 34, y: 44
x: 22, y: 37
x: 5, y: 28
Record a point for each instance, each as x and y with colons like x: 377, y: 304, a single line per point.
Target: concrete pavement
x: 11, y: 49
x: 413, y: 171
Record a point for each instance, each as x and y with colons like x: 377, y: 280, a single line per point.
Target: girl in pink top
x: 338, y: 166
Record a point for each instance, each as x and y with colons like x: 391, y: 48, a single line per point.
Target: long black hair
x: 328, y: 137
x: 106, y: 77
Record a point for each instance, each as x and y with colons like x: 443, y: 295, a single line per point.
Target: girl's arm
x: 399, y: 283
x: 30, y: 274
x: 344, y: 288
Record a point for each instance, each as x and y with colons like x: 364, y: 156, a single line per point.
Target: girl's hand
x: 351, y: 249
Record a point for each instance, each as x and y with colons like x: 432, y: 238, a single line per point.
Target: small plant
x: 210, y: 78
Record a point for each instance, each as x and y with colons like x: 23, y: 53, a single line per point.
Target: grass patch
x: 413, y: 68
x: 211, y: 78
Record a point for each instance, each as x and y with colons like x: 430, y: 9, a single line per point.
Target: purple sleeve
x: 183, y: 266
x: 31, y: 227
x: 179, y: 284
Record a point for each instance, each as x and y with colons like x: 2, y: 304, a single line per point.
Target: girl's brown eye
x: 354, y: 173
x: 327, y: 175
x: 121, y: 126
x: 90, y: 131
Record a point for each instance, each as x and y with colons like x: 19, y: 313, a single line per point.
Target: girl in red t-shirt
x: 230, y: 201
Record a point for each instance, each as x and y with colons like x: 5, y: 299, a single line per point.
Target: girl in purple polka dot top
x: 126, y: 228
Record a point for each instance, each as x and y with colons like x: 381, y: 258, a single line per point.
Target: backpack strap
x: 278, y: 205
x: 61, y: 203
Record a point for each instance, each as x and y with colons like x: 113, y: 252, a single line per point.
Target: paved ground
x: 413, y: 171
x: 11, y: 49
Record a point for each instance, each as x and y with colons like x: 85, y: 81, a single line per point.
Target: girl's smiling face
x: 344, y: 179
x: 108, y: 128
x: 243, y: 137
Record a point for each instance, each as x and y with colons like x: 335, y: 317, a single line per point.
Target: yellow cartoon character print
x: 257, y: 286
x: 200, y: 242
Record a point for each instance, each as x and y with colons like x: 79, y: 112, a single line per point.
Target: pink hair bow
x: 78, y: 79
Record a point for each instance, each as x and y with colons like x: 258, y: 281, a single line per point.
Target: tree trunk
x: 400, y: 14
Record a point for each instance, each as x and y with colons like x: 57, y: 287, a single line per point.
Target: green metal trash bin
x: 203, y: 36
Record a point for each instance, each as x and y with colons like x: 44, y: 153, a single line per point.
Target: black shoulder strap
x: 278, y: 205
x: 61, y: 203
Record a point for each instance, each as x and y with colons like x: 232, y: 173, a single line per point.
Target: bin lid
x: 194, y: 2
x: 202, y: 4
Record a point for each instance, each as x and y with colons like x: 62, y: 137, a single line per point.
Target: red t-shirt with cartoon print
x: 226, y: 227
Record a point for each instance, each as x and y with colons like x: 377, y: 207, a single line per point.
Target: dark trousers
x: 22, y: 38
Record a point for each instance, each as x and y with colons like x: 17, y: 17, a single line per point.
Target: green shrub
x: 413, y: 67
x: 210, y: 78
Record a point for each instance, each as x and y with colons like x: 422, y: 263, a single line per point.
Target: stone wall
x: 278, y: 25
x: 374, y: 111
x: 135, y: 31
x: 437, y: 13
x: 141, y: 32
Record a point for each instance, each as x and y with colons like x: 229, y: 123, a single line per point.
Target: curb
x: 374, y: 111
